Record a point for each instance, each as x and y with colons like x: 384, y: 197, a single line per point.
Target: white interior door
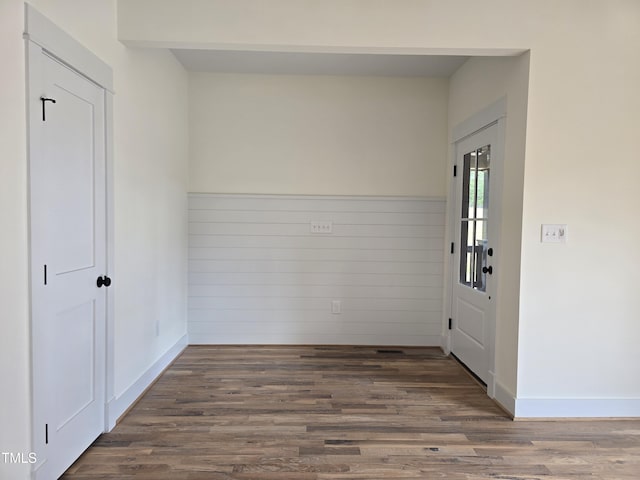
x: 68, y: 254
x: 474, y: 272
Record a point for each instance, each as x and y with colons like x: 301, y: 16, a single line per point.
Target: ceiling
x: 299, y: 63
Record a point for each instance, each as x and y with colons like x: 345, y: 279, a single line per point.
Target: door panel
x: 75, y: 353
x: 71, y: 201
x: 476, y: 227
x: 471, y: 320
x: 68, y: 253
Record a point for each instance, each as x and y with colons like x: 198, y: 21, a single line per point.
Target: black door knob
x: 106, y: 281
x: 488, y: 269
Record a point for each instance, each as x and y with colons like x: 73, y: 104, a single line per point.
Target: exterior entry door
x: 476, y: 228
x: 68, y: 253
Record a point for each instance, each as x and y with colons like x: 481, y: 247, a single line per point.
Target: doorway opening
x: 475, y: 222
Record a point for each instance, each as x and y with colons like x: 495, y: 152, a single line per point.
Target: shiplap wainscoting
x: 257, y: 275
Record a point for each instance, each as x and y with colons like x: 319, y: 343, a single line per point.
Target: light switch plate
x: 553, y: 233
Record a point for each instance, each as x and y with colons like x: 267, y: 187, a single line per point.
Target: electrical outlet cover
x: 336, y: 307
x: 321, y: 227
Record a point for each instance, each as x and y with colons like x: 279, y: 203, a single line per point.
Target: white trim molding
x: 110, y: 312
x: 577, y: 407
x: 43, y: 32
x: 504, y: 397
x: 117, y: 406
x: 493, y: 115
x: 445, y: 339
x: 480, y: 120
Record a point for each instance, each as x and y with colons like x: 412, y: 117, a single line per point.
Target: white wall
x: 150, y: 151
x: 479, y: 83
x: 579, y: 327
x: 150, y: 195
x: 329, y: 135
x: 577, y: 317
x: 150, y: 211
x: 258, y: 275
x: 14, y: 291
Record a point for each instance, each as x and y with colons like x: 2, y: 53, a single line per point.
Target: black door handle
x: 106, y: 281
x: 488, y: 269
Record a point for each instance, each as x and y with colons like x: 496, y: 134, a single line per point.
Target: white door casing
x: 68, y: 253
x: 474, y: 220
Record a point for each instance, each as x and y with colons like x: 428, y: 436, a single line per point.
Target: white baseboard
x: 119, y: 405
x: 577, y: 407
x: 491, y: 385
x: 445, y: 343
x: 504, y: 397
x: 306, y: 338
x: 523, y: 408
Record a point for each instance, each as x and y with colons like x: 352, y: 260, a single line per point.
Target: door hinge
x: 450, y: 324
x: 46, y: 434
x: 455, y: 170
x: 452, y: 247
x: 45, y: 274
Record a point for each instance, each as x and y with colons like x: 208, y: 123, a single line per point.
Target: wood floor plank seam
x: 338, y: 413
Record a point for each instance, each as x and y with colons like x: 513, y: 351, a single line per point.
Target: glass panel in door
x: 476, y: 171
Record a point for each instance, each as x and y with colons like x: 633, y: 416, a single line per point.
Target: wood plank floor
x: 316, y: 413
